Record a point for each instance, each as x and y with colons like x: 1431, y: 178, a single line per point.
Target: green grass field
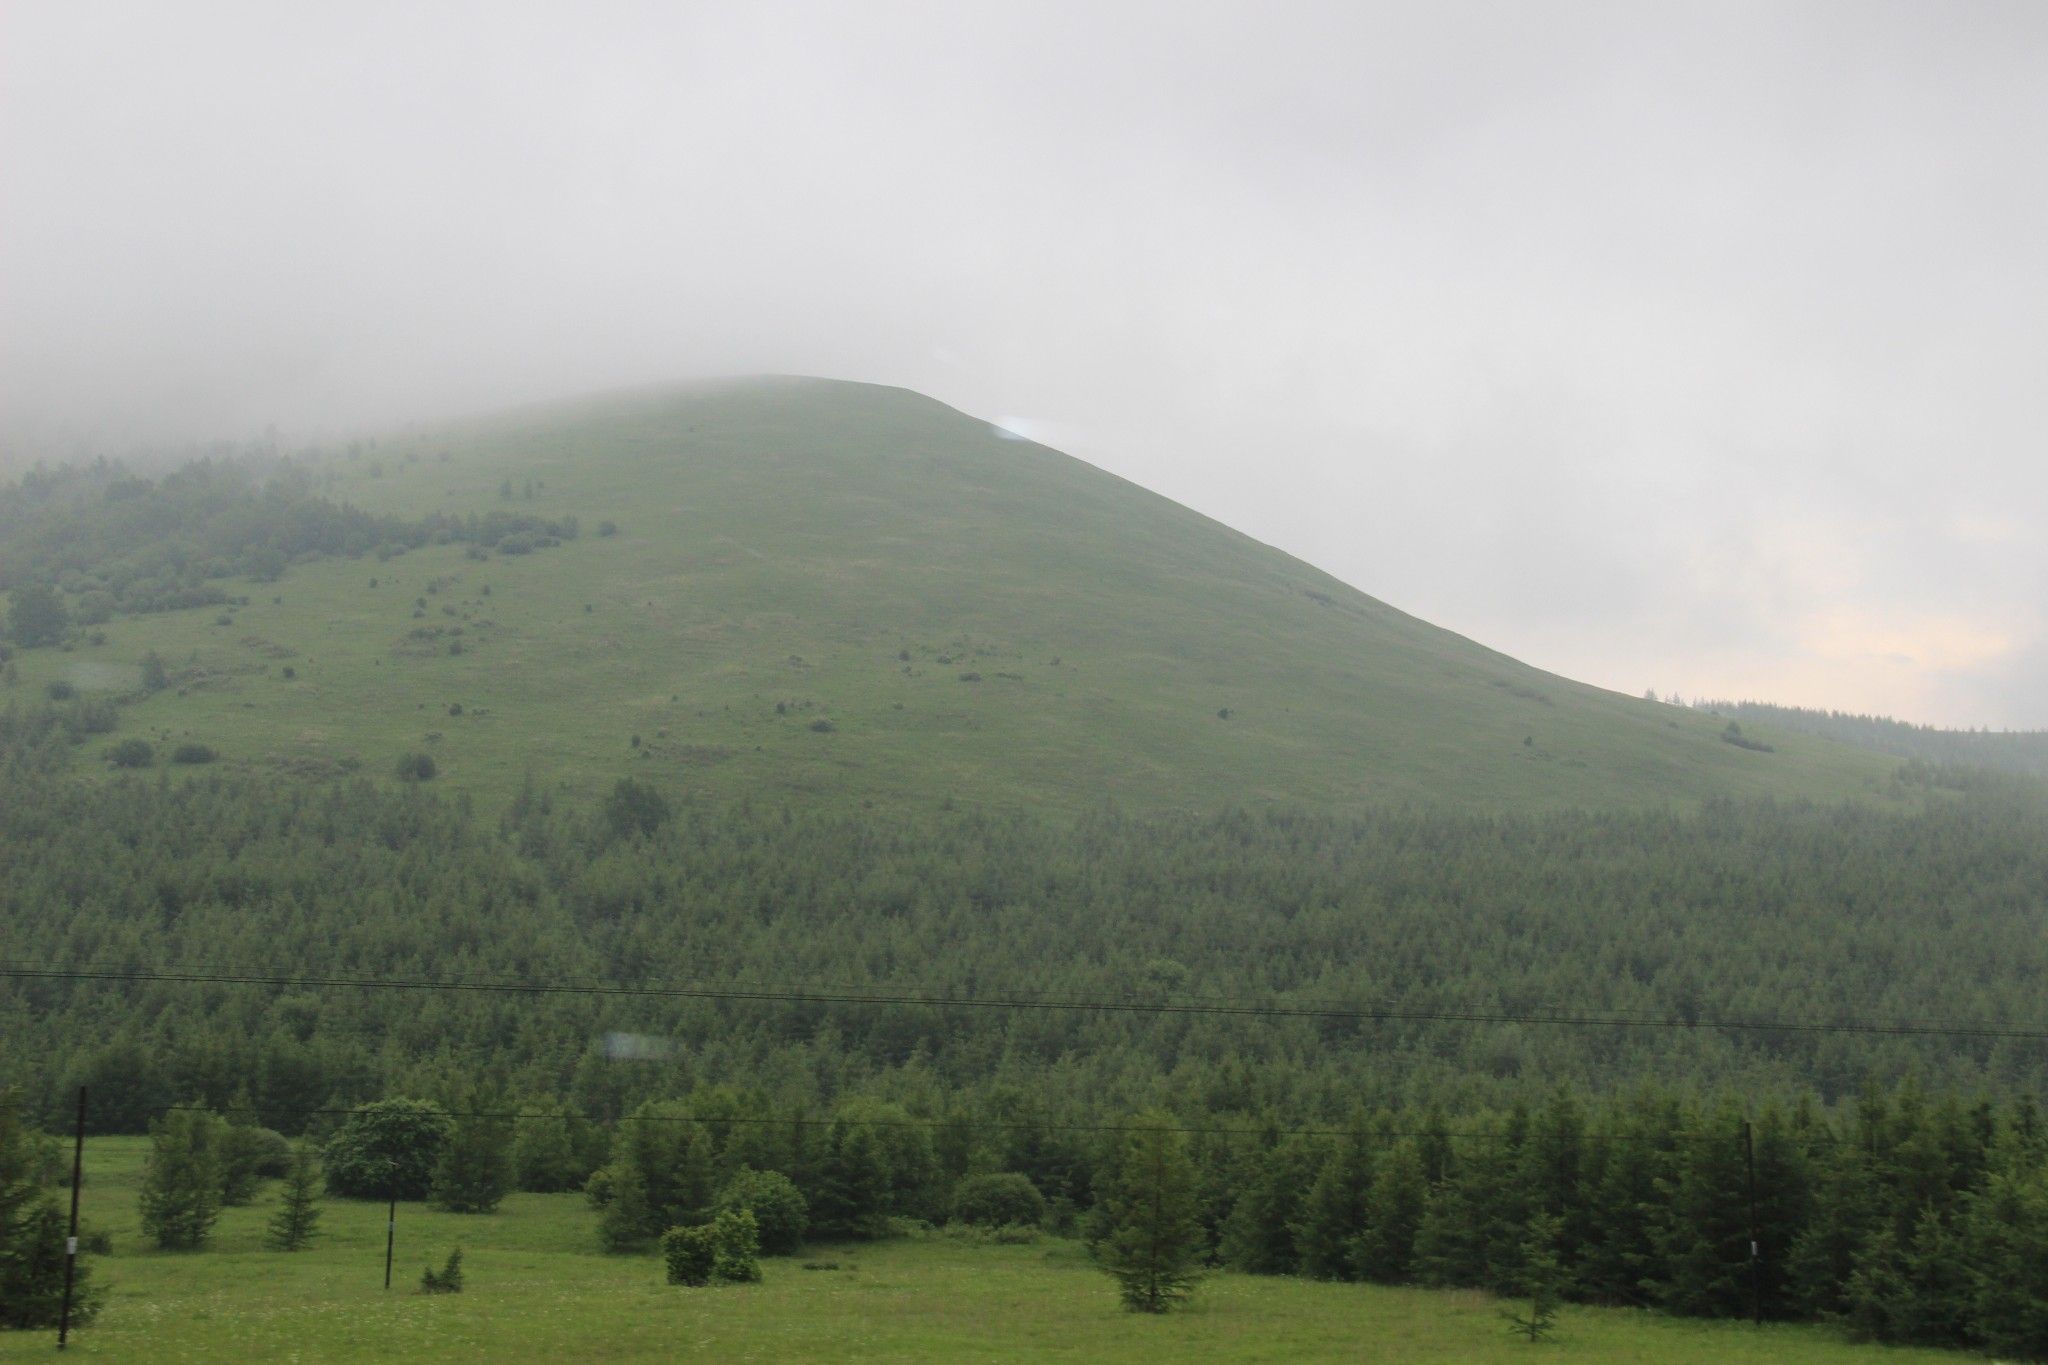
x: 539, y: 1290
x: 841, y: 593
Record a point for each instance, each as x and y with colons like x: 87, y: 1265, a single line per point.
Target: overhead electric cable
x: 1353, y: 1014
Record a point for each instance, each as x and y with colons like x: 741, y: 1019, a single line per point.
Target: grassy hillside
x: 838, y: 591
x: 538, y: 1289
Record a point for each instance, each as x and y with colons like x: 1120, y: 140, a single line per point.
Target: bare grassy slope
x: 853, y: 593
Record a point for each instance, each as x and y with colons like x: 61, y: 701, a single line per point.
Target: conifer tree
x: 241, y: 1152
x: 1622, y: 1262
x: 296, y: 1222
x: 2007, y: 1238
x: 661, y: 1176
x: 1385, y: 1251
x: 1541, y: 1280
x: 1473, y: 1231
x: 1258, y: 1237
x: 1877, y: 1291
x: 1706, y: 1235
x: 546, y: 1158
x: 32, y: 1232
x: 1937, y: 1306
x: 852, y: 1184
x: 1153, y: 1245
x: 1552, y: 1175
x: 1784, y: 1206
x: 1333, y: 1212
x: 181, y: 1180
x: 1826, y: 1252
x: 475, y: 1172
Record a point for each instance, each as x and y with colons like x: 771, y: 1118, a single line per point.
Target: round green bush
x: 417, y: 767
x: 1000, y: 1200
x: 131, y: 753
x: 780, y: 1213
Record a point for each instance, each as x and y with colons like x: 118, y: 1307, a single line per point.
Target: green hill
x: 845, y: 592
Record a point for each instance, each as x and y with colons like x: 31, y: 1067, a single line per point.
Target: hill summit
x: 800, y: 588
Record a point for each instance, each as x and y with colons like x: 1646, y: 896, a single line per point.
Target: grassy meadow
x: 841, y: 593
x: 538, y: 1289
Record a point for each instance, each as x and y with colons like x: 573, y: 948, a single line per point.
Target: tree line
x: 1904, y: 1217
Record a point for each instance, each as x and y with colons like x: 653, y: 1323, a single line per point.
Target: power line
x: 812, y: 988
x: 985, y: 1125
x: 744, y: 994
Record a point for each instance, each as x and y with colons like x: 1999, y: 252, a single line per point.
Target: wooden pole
x: 71, y: 1241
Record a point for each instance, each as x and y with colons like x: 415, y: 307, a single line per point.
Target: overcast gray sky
x: 1697, y: 346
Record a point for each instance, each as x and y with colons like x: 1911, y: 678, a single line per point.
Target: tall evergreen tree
x: 1258, y: 1237
x: 1385, y: 1251
x: 2007, y: 1239
x: 1553, y: 1171
x: 1706, y: 1235
x: 297, y: 1220
x: 1937, y: 1305
x: 1153, y: 1244
x: 1474, y: 1229
x: 1876, y: 1293
x: 181, y: 1180
x: 662, y: 1176
x: 1622, y: 1262
x: 1333, y: 1212
x: 547, y: 1156
x: 851, y: 1187
x: 1827, y: 1251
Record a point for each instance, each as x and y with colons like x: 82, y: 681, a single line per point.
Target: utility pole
x: 390, y: 1223
x: 71, y: 1241
x: 1756, y: 1263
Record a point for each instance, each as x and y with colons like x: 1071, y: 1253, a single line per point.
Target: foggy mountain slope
x: 839, y: 591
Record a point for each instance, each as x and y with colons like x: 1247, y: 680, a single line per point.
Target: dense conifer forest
x: 1740, y: 913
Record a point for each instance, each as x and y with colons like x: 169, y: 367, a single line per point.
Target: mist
x: 1694, y: 349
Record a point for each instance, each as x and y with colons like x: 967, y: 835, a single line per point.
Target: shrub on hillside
x: 998, y: 1200
x: 193, y: 753
x: 416, y: 767
x: 737, y: 1247
x: 131, y: 753
x: 777, y: 1205
x: 446, y: 1280
x: 690, y: 1253
x: 635, y: 808
x: 94, y: 716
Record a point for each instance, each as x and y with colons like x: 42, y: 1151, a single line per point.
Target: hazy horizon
x: 1687, y: 351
